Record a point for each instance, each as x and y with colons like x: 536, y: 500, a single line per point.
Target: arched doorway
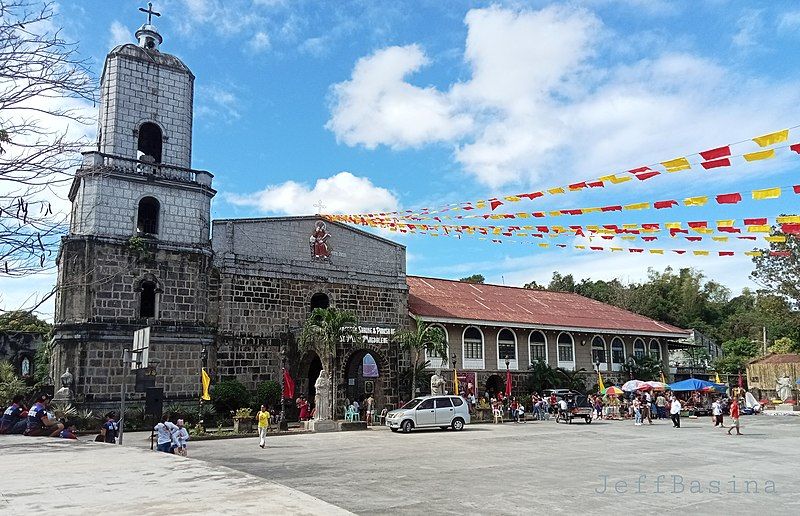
x: 320, y: 300
x: 310, y: 367
x: 364, y: 376
x: 495, y: 384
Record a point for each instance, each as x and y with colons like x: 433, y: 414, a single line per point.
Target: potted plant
x: 243, y: 421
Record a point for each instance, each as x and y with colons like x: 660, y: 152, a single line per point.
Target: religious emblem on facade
x: 320, y: 250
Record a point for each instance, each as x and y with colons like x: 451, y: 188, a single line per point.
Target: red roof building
x: 487, y: 324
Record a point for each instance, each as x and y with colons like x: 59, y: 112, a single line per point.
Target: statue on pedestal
x: 322, y: 399
x: 437, y: 383
x: 784, y: 387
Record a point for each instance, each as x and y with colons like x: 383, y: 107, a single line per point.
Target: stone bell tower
x: 137, y: 252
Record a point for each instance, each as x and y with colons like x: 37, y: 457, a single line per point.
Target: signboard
x: 373, y: 334
x: 141, y: 349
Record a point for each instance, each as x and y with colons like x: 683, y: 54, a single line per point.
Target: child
x: 182, y: 437
x: 69, y: 432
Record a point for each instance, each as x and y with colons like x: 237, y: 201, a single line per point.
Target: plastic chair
x: 498, y: 414
x: 350, y: 414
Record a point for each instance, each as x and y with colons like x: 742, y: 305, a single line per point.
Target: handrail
x: 145, y: 168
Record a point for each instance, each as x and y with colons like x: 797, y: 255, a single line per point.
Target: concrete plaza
x: 537, y: 466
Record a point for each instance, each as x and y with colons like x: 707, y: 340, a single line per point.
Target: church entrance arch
x: 366, y: 373
x: 310, y: 367
x: 495, y: 384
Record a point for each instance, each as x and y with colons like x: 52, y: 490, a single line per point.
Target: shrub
x: 269, y: 393
x: 229, y: 395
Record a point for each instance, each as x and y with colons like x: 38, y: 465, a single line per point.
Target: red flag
x: 635, y: 250
x: 611, y: 208
x: 719, y: 152
x: 795, y: 147
x: 796, y: 188
x: 790, y: 229
x: 577, y: 186
x: 639, y: 170
x: 532, y: 195
x: 694, y: 238
x: 288, y: 385
x: 679, y: 251
x: 755, y: 222
x: 508, y: 382
x: 647, y: 175
x: 649, y: 238
x: 726, y: 253
x: 664, y: 204
x: 728, y: 229
x: 595, y: 248
x: 725, y: 162
x: 494, y: 203
x: 731, y: 198
x: 596, y: 184
x: 698, y: 224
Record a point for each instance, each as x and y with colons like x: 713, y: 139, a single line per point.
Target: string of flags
x: 697, y: 201
x: 718, y: 157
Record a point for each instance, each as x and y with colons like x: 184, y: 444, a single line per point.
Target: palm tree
x: 324, y: 330
x: 423, y: 337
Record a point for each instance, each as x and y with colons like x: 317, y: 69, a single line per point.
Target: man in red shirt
x: 735, y: 416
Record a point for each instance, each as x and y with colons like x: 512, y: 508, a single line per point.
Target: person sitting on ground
x: 182, y: 438
x: 69, y: 432
x: 166, y: 432
x: 110, y: 429
x: 39, y: 423
x: 11, y: 415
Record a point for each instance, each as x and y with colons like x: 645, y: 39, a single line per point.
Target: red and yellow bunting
x: 715, y: 158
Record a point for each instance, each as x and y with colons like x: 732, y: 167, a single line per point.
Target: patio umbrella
x: 613, y: 391
x: 692, y: 384
x: 635, y: 385
x: 658, y: 386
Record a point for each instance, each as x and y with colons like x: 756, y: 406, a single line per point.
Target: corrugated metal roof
x: 447, y: 299
x: 787, y: 358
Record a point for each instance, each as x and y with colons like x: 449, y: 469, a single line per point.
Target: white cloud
x: 377, y: 107
x: 789, y: 21
x: 340, y: 193
x: 260, y: 42
x: 749, y: 26
x: 27, y: 292
x: 541, y: 107
x: 118, y: 34
x: 217, y: 102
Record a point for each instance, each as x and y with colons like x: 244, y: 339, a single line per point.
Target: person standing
x: 182, y: 438
x: 637, y: 411
x: 369, y: 409
x: 646, y: 409
x: 110, y: 429
x: 263, y: 425
x: 661, y: 406
x: 302, y: 404
x: 735, y: 416
x: 716, y: 413
x: 675, y: 412
x: 166, y: 432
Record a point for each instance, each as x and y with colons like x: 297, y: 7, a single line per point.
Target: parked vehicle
x: 430, y: 411
x: 578, y: 407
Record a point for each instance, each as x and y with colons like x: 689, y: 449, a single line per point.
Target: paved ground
x: 56, y: 476
x: 542, y: 466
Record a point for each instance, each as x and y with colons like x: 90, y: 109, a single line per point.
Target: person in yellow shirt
x: 263, y: 424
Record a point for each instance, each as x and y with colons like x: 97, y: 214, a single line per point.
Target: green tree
x: 20, y: 320
x: 229, y: 395
x: 269, y: 394
x: 736, y: 354
x: 324, y: 330
x: 423, y: 337
x: 533, y: 286
x: 475, y: 278
x: 541, y: 376
x: 561, y: 283
x: 645, y: 368
x: 10, y: 383
x: 783, y: 345
x: 780, y: 274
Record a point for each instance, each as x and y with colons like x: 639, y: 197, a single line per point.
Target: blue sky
x: 373, y: 105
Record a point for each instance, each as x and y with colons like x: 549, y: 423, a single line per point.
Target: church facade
x: 233, y: 295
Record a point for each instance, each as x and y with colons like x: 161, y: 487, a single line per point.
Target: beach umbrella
x: 635, y: 385
x: 658, y: 386
x: 613, y: 391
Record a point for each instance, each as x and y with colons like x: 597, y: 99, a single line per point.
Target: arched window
x: 599, y: 352
x: 369, y: 369
x: 537, y: 346
x: 147, y: 300
x: 147, y: 216
x: 149, y: 145
x: 617, y: 354
x: 566, y: 351
x: 506, y: 348
x: 472, y: 349
x: 655, y: 348
x: 638, y: 348
x: 437, y: 362
x: 320, y: 300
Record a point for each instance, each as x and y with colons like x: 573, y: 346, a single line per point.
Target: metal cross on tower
x: 150, y: 12
x: 319, y: 206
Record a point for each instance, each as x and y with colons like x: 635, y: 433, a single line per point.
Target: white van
x: 430, y: 411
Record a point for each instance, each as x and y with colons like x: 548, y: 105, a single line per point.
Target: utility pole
x: 764, y: 337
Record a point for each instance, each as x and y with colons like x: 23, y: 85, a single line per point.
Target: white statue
x: 322, y: 399
x: 784, y: 387
x: 437, y: 383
